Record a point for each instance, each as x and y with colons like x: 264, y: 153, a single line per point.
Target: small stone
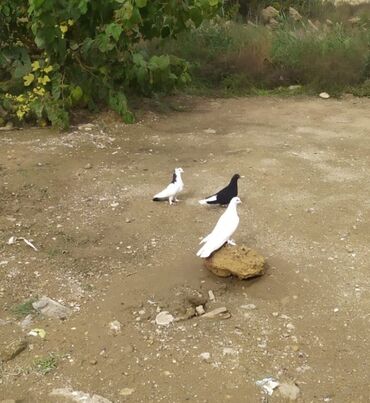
x: 200, y: 310
x: 211, y: 296
x: 324, y: 95
x: 229, y: 351
x: 336, y: 310
x: 290, y: 326
x: 205, y: 356
x: 275, y: 314
x: 115, y: 327
x: 164, y: 318
x: 93, y: 362
x: 11, y: 350
x: 88, y: 166
x: 126, y: 391
x: 249, y: 307
x: 289, y: 391
x: 210, y: 131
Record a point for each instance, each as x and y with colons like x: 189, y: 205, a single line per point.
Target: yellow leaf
x: 48, y: 69
x: 35, y: 65
x: 28, y: 79
x: 70, y: 22
x: 63, y: 28
x: 20, y: 114
x: 43, y: 80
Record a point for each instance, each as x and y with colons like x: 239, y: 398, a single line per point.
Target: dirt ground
x: 109, y: 253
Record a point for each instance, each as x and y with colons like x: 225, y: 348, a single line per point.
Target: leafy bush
x: 56, y: 54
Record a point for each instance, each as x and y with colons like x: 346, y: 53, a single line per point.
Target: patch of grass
x: 24, y: 309
x: 44, y: 365
x: 231, y: 58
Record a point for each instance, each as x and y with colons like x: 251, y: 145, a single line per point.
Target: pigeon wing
x: 170, y: 190
x: 225, y: 227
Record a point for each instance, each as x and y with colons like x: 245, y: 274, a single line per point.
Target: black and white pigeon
x: 172, y: 189
x: 224, y: 195
x: 222, y: 232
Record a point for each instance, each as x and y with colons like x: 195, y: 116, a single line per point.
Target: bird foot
x: 231, y: 242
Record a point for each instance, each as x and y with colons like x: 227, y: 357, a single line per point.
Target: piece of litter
x: 268, y: 384
x: 37, y: 332
x: 29, y: 243
x: 13, y: 239
x: 164, y: 318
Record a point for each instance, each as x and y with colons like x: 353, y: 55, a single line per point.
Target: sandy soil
x: 109, y: 253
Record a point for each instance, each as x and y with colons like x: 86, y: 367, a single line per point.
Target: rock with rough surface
x: 11, y: 350
x: 51, y: 308
x: 294, y: 14
x: 238, y: 261
x: 269, y: 13
x: 67, y: 395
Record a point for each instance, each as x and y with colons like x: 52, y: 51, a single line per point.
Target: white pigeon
x: 176, y: 186
x: 222, y: 232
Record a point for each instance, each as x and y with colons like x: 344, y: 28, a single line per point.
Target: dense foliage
x: 56, y: 54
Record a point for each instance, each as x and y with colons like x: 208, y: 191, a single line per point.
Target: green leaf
x: 76, y: 94
x: 213, y: 3
x: 114, y: 30
x: 141, y: 3
x: 159, y: 62
x: 118, y: 102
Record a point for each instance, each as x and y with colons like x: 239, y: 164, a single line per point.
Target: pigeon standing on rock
x: 224, y: 229
x: 172, y: 189
x: 225, y: 195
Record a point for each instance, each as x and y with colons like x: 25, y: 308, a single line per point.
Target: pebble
x: 164, y: 318
x: 115, y: 327
x: 205, y: 356
x: 88, y: 166
x: 126, y: 391
x: 249, y: 306
x: 93, y: 362
x: 211, y: 296
x: 200, y: 310
x: 290, y: 326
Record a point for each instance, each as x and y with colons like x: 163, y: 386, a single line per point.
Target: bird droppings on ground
x: 309, y: 327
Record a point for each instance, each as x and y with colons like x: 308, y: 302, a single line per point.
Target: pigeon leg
x: 176, y: 199
x: 170, y: 200
x: 231, y: 242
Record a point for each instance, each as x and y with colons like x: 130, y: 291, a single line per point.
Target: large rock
x: 269, y: 13
x: 239, y: 261
x: 53, y: 309
x: 294, y: 14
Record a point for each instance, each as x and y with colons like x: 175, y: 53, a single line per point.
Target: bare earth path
x: 109, y: 253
